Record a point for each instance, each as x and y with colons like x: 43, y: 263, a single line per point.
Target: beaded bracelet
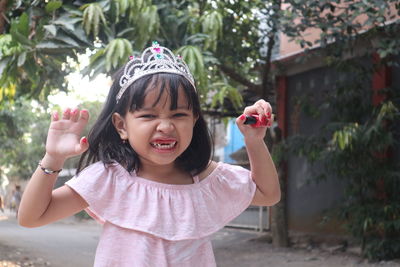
x: 47, y: 170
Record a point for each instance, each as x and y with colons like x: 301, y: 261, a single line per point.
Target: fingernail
x: 84, y: 140
x: 55, y: 115
x: 242, y: 117
x: 74, y: 111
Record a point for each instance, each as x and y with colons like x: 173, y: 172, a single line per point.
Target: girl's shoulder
x: 209, y: 170
x: 215, y: 169
x: 100, y: 167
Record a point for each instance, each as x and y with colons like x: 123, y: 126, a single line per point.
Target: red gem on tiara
x: 130, y: 57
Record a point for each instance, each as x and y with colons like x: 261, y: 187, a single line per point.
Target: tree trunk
x: 279, y: 227
x: 3, y: 5
x: 280, y: 237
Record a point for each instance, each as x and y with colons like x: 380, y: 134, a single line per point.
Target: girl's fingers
x: 74, y: 115
x: 261, y: 107
x: 82, y: 146
x: 84, y: 115
x: 266, y: 107
x: 54, y: 116
x: 66, y: 114
x: 261, y: 110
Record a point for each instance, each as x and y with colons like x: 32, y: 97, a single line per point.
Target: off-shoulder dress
x: 147, y: 223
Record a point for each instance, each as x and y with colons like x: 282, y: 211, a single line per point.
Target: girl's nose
x: 165, y: 126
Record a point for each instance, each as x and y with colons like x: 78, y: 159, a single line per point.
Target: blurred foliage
x: 23, y: 132
x: 219, y: 40
x: 342, y: 23
x: 356, y: 144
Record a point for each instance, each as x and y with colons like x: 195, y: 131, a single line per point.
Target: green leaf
x: 67, y: 22
x: 148, y: 24
x: 80, y: 35
x: 193, y: 58
x: 92, y: 16
x: 23, y: 25
x: 51, y: 29
x: 21, y: 59
x: 66, y: 39
x: 52, y: 45
x: 212, y: 25
x: 3, y: 64
x: 117, y: 53
x: 96, y: 56
x: 18, y: 37
x: 52, y: 6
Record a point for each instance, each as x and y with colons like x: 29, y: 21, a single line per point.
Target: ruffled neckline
x: 122, y: 171
x: 168, y: 211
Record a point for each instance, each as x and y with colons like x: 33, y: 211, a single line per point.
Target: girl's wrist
x: 51, y: 162
x: 253, y: 141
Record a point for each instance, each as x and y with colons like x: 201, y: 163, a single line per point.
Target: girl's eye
x: 180, y: 115
x: 147, y: 116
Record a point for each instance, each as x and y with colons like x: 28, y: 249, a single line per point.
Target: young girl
x: 146, y: 172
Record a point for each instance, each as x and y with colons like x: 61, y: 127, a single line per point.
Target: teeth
x: 163, y: 146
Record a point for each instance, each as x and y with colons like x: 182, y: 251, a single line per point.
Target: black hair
x: 106, y: 145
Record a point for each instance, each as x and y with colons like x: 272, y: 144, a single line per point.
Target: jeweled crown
x: 154, y: 59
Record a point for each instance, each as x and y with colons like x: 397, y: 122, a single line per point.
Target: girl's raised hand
x: 263, y: 110
x: 64, y: 137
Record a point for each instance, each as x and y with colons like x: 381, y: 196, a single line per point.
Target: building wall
x: 307, y: 200
x: 288, y: 48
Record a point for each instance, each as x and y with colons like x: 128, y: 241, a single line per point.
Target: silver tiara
x: 154, y: 59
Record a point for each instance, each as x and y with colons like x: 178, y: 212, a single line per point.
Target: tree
x: 357, y: 142
x: 23, y: 134
x: 23, y: 131
x: 41, y: 37
x: 36, y: 42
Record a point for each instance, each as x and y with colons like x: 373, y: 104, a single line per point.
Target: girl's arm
x: 262, y: 167
x: 41, y: 204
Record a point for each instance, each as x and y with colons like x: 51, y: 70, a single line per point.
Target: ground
x: 72, y: 243
x: 14, y: 257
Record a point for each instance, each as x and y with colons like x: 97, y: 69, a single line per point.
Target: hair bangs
x: 164, y: 83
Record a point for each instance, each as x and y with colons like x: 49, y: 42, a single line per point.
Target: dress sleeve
x: 230, y: 192
x: 93, y: 184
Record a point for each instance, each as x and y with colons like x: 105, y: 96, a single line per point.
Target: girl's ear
x: 119, y: 124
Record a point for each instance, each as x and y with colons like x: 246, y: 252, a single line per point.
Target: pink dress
x: 146, y: 223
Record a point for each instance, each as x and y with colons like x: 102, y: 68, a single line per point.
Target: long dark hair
x: 106, y: 145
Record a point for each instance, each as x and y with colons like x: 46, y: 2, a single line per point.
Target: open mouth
x: 163, y: 145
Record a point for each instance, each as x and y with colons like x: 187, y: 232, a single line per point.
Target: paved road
x: 63, y: 244
x: 69, y: 243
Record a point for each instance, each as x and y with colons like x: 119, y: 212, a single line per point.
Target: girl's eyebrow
x: 183, y: 107
x: 153, y: 108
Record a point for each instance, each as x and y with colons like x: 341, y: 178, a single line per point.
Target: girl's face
x: 158, y: 134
